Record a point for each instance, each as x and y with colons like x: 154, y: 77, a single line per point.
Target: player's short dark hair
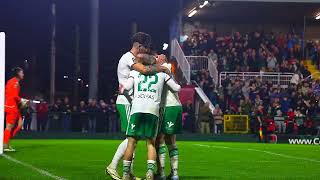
x: 16, y: 70
x: 142, y: 38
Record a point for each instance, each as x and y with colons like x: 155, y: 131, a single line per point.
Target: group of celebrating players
x: 149, y: 108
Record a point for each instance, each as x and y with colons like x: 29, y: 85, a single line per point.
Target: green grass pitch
x: 86, y: 159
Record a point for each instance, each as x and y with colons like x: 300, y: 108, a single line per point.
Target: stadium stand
x: 289, y: 103
x: 249, y: 52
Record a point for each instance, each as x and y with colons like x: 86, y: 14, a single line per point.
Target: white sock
x: 174, y: 159
x: 126, y: 167
x: 151, y: 166
x: 162, y: 159
x: 134, y: 155
x: 119, y: 154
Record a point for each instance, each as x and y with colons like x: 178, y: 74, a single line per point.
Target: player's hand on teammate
x: 161, y: 58
x: 163, y: 69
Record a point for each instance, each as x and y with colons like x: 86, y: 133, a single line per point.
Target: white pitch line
x: 285, y: 156
x: 263, y: 151
x: 41, y: 171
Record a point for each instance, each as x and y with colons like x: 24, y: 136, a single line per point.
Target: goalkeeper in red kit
x: 14, y: 120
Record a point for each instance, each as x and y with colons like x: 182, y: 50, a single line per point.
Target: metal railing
x: 183, y: 63
x: 281, y: 79
x: 198, y: 63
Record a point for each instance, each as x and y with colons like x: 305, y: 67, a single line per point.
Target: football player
x: 170, y: 125
x: 12, y: 103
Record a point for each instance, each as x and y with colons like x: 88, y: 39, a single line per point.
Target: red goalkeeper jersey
x: 12, y: 98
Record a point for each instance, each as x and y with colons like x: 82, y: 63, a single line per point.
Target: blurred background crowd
x: 252, y: 51
x: 87, y: 116
x: 284, y: 109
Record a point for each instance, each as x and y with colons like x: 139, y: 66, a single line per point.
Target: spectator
x: 93, y: 110
x: 189, y: 117
x: 272, y: 62
x: 66, y: 110
x: 259, y: 123
x: 299, y: 120
x: 279, y: 120
x: 75, y: 116
x: 27, y: 119
x: 218, y: 120
x: 33, y: 110
x: 285, y: 105
x: 308, y: 124
x: 112, y: 117
x: 55, y: 115
x: 245, y: 106
x: 42, y: 116
x: 205, y: 117
x: 103, y: 115
x: 83, y: 117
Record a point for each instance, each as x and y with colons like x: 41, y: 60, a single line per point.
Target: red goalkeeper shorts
x: 12, y: 118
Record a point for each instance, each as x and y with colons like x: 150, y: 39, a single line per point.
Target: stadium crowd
x: 89, y: 116
x: 249, y: 52
x: 86, y: 117
x: 292, y: 109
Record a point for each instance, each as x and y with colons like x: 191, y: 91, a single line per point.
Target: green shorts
x: 171, y: 120
x: 124, y: 114
x: 143, y: 125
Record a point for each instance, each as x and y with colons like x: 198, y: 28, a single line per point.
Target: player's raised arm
x: 173, y: 85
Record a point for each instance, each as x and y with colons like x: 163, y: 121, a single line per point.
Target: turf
x: 86, y: 159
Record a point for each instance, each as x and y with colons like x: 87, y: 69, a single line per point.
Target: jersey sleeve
x: 128, y: 85
x: 131, y: 62
x: 171, y: 83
